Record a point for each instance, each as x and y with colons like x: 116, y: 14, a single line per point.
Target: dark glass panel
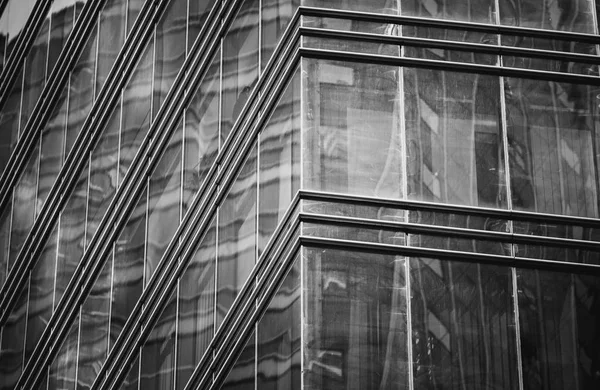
x: 279, y: 162
x: 276, y: 14
x: 35, y: 72
x: 13, y: 340
x: 278, y: 341
x: 453, y: 138
x: 61, y: 24
x: 451, y: 243
x: 63, y: 368
x: 103, y: 173
x: 24, y: 205
x: 164, y: 202
x: 72, y: 234
x: 196, y: 307
x: 350, y: 110
x: 377, y: 6
x: 170, y: 49
x: 137, y: 96
x: 355, y: 233
x: 201, y: 143
x: 5, y: 217
x: 93, y: 342
x: 237, y: 237
x: 463, y: 326
x: 240, y: 64
x: 355, y: 312
x: 551, y: 144
x: 43, y: 384
x: 9, y: 120
x: 574, y: 15
x: 3, y: 37
x: 81, y: 90
x: 111, y: 38
x: 128, y: 271
x: 52, y: 154
x: 41, y: 294
x: 198, y: 12
x: 242, y: 374
x: 131, y: 381
x: 480, y: 11
x: 133, y: 10
x: 158, y: 353
x: 559, y: 318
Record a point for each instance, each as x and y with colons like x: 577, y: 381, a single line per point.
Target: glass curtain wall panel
x: 63, y: 369
x: 13, y: 20
x: 13, y: 343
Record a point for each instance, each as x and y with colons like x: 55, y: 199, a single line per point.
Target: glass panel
x: 133, y: 10
x: 158, y: 353
x: 35, y: 72
x: 242, y: 374
x: 137, y: 97
x: 52, y: 154
x: 355, y: 233
x: 103, y: 173
x: 558, y: 317
x: 575, y: 15
x: 279, y: 162
x: 463, y: 325
x: 131, y: 381
x: 9, y: 120
x: 278, y: 341
x: 237, y: 237
x: 276, y: 14
x: 170, y: 49
x: 18, y: 13
x: 240, y: 64
x: 453, y: 137
x: 481, y: 11
x: 93, y: 343
x: 72, y: 234
x: 112, y: 35
x: 60, y: 27
x: 62, y: 370
x: 4, y: 241
x: 354, y: 320
x: 43, y: 384
x: 24, y: 205
x: 81, y: 90
x: 3, y: 38
x: 128, y: 271
x: 164, y: 201
x: 552, y: 139
x: 378, y: 6
x: 350, y: 110
x: 41, y: 294
x: 13, y: 340
x: 201, y: 133
x: 198, y: 12
x: 196, y: 307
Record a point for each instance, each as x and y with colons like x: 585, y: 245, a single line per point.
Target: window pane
x: 9, y: 120
x: 279, y: 161
x: 355, y: 320
x: 112, y: 36
x: 60, y: 27
x: 276, y: 14
x: 237, y: 237
x: 35, y: 72
x: 198, y: 10
x: 278, y: 342
x: 378, y: 6
x: 196, y: 307
x: 480, y: 11
x: 5, y: 217
x: 575, y: 15
x: 350, y: 110
x: 240, y: 64
x: 62, y: 370
x: 241, y: 376
x: 18, y: 13
x: 13, y: 340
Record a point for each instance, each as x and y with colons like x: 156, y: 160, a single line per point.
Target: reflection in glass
x: 198, y: 11
x: 559, y: 316
x: 5, y: 217
x: 241, y: 376
x: 279, y: 161
x: 111, y: 37
x: 278, y: 337
x: 355, y: 320
x: 164, y: 200
x: 196, y: 307
x: 551, y: 143
x: 35, y: 72
x: 170, y: 49
x: 237, y: 236
x: 13, y: 340
x: 93, y: 341
x: 240, y: 64
x: 575, y: 15
x: 131, y: 381
x: 276, y: 14
x: 351, y: 110
x: 453, y: 137
x: 61, y: 23
x: 158, y: 353
x: 376, y: 6
x: 463, y: 326
x: 18, y: 12
x: 480, y: 11
x: 63, y: 368
x: 201, y: 137
x: 128, y: 269
x: 9, y: 120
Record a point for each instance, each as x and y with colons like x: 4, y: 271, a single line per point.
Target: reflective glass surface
x: 63, y: 368
x: 13, y: 343
x: 242, y: 375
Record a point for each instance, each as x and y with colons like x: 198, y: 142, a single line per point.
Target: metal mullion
x: 493, y: 70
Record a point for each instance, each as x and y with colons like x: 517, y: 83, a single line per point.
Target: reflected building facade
x: 300, y: 194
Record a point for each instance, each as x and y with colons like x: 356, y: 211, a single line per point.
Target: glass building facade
x: 299, y: 194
